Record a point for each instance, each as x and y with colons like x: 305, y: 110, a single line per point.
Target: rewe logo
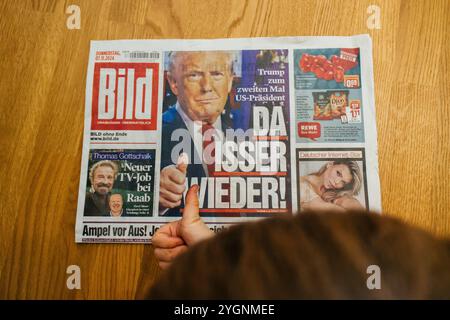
x: 125, y: 96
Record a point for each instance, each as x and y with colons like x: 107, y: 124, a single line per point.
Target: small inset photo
x: 331, y: 179
x: 120, y: 183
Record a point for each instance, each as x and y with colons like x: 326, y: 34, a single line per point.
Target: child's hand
x: 175, y: 237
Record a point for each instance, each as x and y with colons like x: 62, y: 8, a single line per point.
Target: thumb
x: 182, y: 162
x: 191, y: 211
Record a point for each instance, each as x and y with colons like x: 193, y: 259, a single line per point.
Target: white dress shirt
x: 195, y: 131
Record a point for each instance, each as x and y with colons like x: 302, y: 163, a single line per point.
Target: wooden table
x: 43, y: 66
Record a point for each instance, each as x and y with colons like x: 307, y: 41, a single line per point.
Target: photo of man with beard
x: 102, y: 176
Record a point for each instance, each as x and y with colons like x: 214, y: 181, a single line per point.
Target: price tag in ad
x: 351, y: 81
x: 353, y: 111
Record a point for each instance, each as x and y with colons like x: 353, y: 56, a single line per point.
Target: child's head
x: 312, y: 255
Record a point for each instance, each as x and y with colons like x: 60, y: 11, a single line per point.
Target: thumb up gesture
x: 175, y: 237
x: 172, y: 183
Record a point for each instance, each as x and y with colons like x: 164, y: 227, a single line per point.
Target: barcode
x: 144, y: 55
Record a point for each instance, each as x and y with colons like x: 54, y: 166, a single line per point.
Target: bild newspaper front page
x: 264, y: 126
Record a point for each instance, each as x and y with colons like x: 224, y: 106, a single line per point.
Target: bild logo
x: 125, y: 96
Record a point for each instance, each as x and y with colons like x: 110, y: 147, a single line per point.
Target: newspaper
x: 264, y: 127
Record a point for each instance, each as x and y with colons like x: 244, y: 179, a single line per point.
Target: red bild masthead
x: 125, y: 96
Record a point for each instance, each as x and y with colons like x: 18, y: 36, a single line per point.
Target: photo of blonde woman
x: 336, y: 185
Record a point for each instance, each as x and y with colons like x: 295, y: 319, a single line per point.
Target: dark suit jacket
x: 93, y: 207
x: 171, y: 120
x: 124, y: 214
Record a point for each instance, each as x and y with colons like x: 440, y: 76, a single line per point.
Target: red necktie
x: 209, y: 147
x: 209, y: 156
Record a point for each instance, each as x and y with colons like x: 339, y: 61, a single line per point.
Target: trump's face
x: 103, y: 179
x: 116, y: 203
x: 201, y: 81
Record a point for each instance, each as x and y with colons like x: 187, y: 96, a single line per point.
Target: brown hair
x: 311, y: 255
x: 103, y: 163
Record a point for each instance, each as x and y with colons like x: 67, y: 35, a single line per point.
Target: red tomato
x: 314, y: 67
x: 328, y: 75
x: 305, y: 63
x: 328, y: 66
x: 335, y: 59
x: 338, y: 68
x: 305, y: 57
x: 321, y: 58
x: 320, y: 72
x: 305, y: 66
x: 339, y: 74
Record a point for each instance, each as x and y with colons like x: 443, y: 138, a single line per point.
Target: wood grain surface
x: 43, y: 67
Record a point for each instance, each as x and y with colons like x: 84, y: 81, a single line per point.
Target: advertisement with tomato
x: 328, y: 95
x: 328, y: 68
